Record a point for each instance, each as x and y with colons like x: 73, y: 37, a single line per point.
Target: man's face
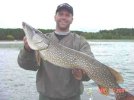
x: 63, y: 19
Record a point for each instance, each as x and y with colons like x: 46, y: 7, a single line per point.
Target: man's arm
x: 85, y: 48
x: 27, y: 58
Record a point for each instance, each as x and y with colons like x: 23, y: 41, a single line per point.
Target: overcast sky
x: 89, y: 15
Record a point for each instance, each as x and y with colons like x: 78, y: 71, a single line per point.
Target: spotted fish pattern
x: 69, y: 58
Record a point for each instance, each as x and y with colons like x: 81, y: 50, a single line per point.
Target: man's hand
x: 78, y: 73
x: 26, y: 46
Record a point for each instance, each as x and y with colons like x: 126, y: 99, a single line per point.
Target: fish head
x: 35, y: 38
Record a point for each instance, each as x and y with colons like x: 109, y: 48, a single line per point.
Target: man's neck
x: 62, y: 33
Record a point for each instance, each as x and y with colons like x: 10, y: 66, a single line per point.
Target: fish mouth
x: 23, y: 24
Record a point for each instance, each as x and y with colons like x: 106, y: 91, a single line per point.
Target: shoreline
x: 110, y: 40
x: 92, y: 40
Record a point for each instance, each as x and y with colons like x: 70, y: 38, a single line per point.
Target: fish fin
x: 38, y: 58
x: 118, y: 77
x: 103, y: 90
x: 124, y: 96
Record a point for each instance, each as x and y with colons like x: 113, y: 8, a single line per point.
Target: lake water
x: 19, y: 84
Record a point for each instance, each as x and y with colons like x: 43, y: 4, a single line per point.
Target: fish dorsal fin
x: 118, y: 77
x: 103, y: 90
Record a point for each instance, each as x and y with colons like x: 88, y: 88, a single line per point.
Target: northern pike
x: 62, y: 56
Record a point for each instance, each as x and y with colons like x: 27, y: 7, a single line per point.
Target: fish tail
x: 121, y: 94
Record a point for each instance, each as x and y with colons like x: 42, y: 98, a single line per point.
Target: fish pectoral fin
x: 103, y: 90
x: 38, y: 58
x: 118, y: 77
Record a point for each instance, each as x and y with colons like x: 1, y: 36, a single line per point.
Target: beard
x: 63, y: 26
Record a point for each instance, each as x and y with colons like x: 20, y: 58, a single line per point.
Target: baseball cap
x: 66, y: 6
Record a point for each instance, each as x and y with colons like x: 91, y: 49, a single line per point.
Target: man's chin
x: 64, y: 28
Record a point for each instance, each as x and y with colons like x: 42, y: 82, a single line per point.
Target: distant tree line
x: 119, y: 33
x: 16, y: 34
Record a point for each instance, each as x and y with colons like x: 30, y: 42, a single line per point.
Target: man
x: 53, y: 82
